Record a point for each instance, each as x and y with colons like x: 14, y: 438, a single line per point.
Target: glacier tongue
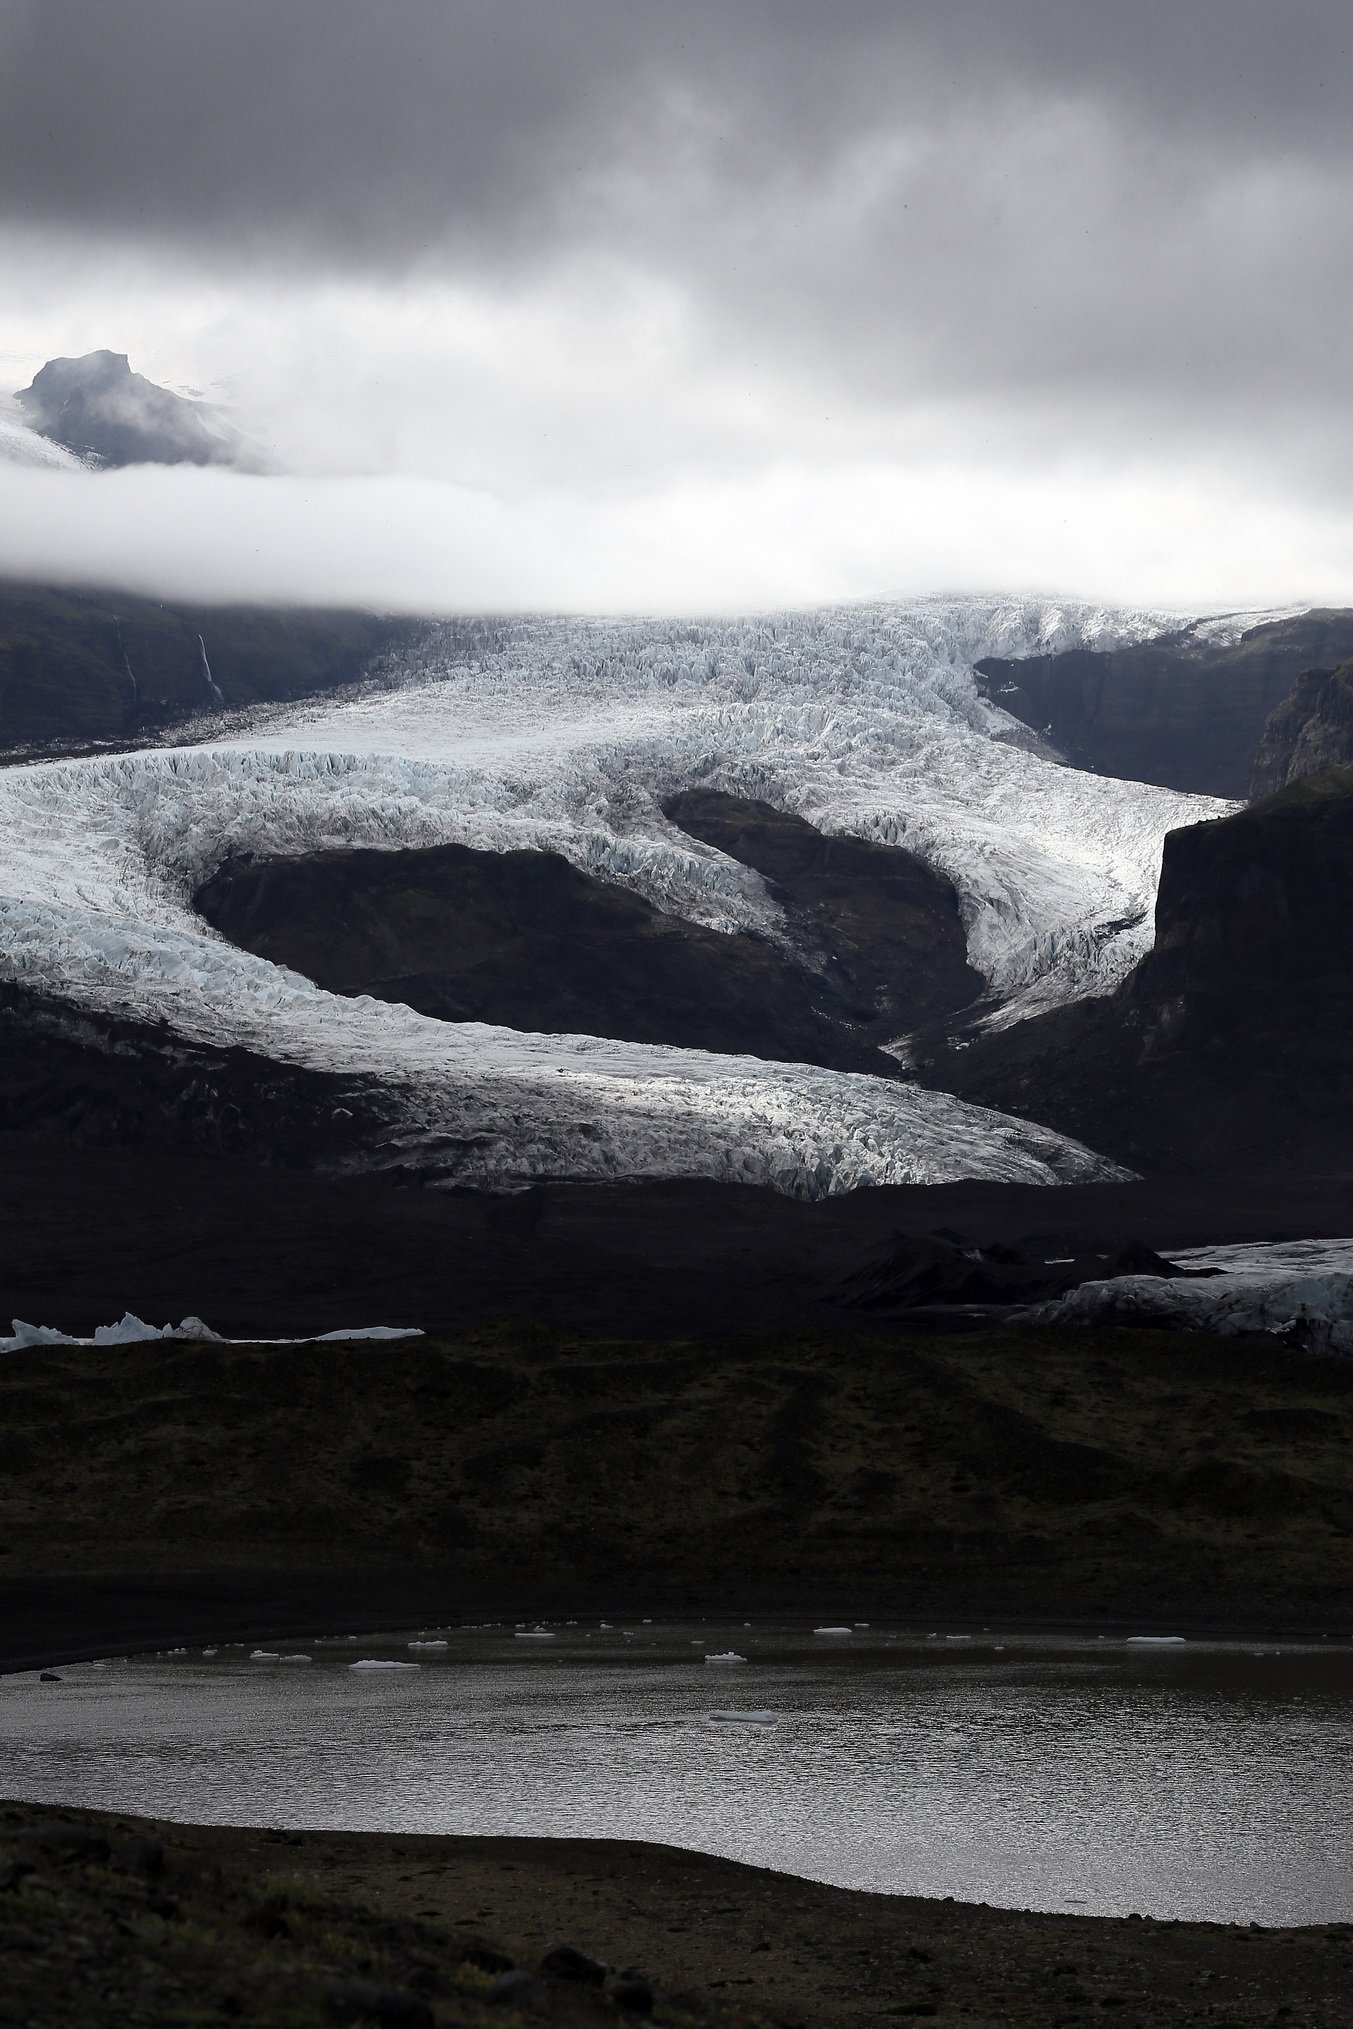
x: 568, y: 735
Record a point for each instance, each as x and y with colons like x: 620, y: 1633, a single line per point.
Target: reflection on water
x: 1195, y: 1781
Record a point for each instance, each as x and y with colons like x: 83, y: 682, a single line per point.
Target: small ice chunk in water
x: 831, y: 1630
x: 428, y: 1645
x: 296, y: 1659
x: 209, y: 1652
x: 264, y: 1656
x: 533, y: 1634
x: 728, y: 1656
x: 1156, y: 1641
x: 745, y: 1718
x: 382, y: 1663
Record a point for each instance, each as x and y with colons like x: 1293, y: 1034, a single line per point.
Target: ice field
x: 568, y: 735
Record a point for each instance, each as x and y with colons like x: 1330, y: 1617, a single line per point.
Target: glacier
x: 568, y: 735
x: 1297, y: 1291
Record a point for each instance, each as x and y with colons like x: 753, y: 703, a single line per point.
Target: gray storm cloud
x: 578, y: 245
x: 1071, y: 201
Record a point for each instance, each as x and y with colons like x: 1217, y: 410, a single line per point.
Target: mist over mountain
x: 107, y: 415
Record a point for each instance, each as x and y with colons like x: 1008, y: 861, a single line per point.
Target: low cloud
x: 780, y: 538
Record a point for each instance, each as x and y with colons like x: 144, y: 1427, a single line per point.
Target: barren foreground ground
x: 120, y: 1922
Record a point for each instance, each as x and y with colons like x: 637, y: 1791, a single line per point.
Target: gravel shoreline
x: 109, y: 1920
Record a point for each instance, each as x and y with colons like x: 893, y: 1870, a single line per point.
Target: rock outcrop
x: 883, y: 928
x: 1178, y: 711
x: 1310, y: 732
x: 527, y: 940
x: 1232, y: 1042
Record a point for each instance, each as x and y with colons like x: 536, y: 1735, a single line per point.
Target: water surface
x: 1204, y: 1780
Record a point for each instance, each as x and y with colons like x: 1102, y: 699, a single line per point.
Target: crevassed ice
x: 568, y: 734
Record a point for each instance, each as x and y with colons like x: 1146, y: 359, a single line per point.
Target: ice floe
x: 746, y: 1718
x: 729, y: 1656
x: 382, y: 1663
x: 568, y: 735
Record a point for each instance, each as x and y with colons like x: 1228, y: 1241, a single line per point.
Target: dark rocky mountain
x: 98, y: 408
x: 1176, y: 711
x: 83, y: 667
x: 1232, y: 1042
x: 526, y: 939
x: 882, y: 926
x: 1311, y: 731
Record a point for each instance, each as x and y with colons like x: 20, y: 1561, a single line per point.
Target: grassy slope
x: 1023, y: 1471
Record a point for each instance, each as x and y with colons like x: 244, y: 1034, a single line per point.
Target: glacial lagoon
x: 1195, y: 1779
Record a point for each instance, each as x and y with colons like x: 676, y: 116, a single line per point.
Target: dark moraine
x: 526, y: 939
x: 1176, y: 710
x: 1233, y: 1040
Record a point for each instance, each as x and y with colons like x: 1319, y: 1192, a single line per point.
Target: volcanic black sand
x: 110, y: 1921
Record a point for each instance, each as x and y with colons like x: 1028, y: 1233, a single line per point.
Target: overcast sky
x: 604, y: 302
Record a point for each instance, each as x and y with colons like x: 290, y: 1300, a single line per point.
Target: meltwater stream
x: 1198, y: 1781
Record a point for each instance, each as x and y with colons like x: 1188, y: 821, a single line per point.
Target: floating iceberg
x: 382, y: 1663
x: 728, y: 1656
x: 746, y: 1718
x: 833, y: 1630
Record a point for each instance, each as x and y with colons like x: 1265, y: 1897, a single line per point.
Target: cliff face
x: 1231, y: 1042
x: 1176, y: 711
x: 78, y: 667
x: 1310, y: 732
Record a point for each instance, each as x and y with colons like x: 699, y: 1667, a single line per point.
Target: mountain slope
x: 1233, y: 1040
x: 1311, y: 731
x: 1185, y: 709
x: 107, y: 415
x: 81, y: 667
